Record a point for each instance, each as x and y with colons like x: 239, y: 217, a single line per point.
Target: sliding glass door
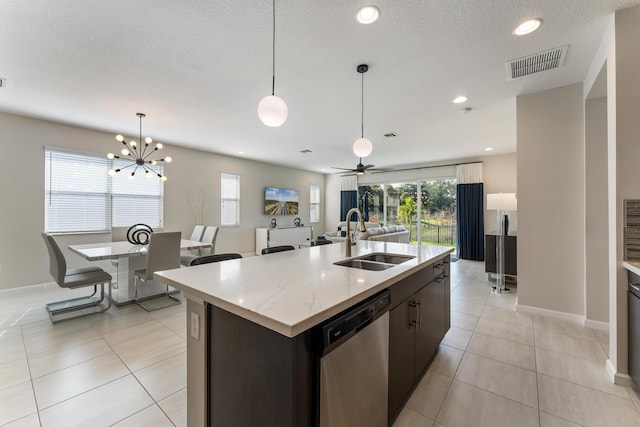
x: 427, y: 208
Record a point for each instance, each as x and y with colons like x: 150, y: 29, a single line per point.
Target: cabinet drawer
x: 409, y: 286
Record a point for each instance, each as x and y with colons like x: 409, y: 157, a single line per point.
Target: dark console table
x: 510, y: 254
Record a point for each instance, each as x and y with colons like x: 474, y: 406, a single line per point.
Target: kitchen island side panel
x: 257, y: 377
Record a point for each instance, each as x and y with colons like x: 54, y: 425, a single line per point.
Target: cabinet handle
x: 419, y: 310
x: 635, y: 288
x: 439, y: 279
x: 439, y: 265
x: 413, y: 323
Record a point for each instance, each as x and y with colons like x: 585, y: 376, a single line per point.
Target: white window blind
x: 81, y: 197
x: 230, y: 199
x: 314, y: 207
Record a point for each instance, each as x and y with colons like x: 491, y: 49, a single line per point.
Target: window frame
x: 235, y: 200
x: 317, y: 204
x: 54, y: 170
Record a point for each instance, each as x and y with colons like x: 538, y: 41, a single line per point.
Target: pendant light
x: 362, y: 147
x: 138, y: 152
x: 272, y: 110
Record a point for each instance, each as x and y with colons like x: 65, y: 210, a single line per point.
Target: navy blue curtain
x: 348, y: 200
x: 470, y: 219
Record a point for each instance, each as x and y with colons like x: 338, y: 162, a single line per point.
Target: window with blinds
x: 81, y: 197
x: 314, y: 206
x: 230, y: 199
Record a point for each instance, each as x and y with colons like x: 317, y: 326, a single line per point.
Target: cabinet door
x: 430, y: 323
x: 402, y: 320
x: 447, y: 306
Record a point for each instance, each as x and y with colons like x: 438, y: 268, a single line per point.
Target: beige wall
x: 596, y: 211
x: 625, y: 152
x: 23, y: 257
x: 551, y: 243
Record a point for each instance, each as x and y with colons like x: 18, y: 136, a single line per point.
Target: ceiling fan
x: 361, y: 169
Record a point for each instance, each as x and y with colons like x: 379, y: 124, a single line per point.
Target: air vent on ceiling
x: 390, y: 135
x: 306, y: 151
x: 543, y: 61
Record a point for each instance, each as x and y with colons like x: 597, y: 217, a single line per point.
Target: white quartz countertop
x: 290, y: 292
x: 633, y: 266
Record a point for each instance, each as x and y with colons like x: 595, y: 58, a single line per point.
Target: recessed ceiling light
x: 460, y: 99
x: 240, y: 152
x: 488, y: 149
x: 528, y: 26
x: 368, y: 14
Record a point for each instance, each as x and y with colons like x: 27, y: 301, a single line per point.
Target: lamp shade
x: 272, y: 111
x: 362, y: 147
x: 502, y: 202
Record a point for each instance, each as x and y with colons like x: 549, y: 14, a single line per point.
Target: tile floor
x: 495, y: 367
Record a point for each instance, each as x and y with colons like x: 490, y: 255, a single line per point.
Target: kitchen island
x: 249, y: 345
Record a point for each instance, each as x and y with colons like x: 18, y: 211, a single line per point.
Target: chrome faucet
x: 349, y: 241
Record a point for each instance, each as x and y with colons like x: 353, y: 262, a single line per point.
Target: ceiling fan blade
x: 369, y: 166
x: 344, y: 169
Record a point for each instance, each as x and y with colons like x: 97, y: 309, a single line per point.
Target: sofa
x: 391, y: 233
x: 374, y: 231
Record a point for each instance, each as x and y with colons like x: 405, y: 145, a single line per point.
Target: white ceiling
x: 198, y: 69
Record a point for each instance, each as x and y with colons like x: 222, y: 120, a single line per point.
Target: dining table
x: 130, y: 257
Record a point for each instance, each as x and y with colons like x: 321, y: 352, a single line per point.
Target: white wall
x: 23, y: 257
x: 551, y: 243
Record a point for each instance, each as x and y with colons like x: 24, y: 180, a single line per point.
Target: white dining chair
x: 163, y: 253
x: 209, y: 236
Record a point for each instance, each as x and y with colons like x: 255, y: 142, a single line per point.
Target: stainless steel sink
x: 394, y: 259
x: 375, y: 261
x: 364, y: 265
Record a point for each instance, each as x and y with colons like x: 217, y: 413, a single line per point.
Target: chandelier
x: 139, y: 153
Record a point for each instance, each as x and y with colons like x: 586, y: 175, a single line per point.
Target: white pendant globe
x: 362, y: 147
x: 272, y: 111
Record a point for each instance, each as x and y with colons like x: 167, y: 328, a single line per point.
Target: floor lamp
x: 502, y: 203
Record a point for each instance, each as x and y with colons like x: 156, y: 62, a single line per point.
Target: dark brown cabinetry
x: 510, y: 254
x: 416, y: 328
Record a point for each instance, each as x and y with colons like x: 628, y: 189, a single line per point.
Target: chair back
x: 163, y: 252
x: 196, y: 235
x: 119, y: 234
x: 209, y: 236
x: 206, y: 259
x: 57, y: 263
x: 275, y: 249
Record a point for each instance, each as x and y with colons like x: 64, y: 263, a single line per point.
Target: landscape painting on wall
x: 280, y: 201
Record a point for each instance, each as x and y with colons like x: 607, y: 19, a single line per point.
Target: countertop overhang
x: 633, y: 266
x: 291, y: 292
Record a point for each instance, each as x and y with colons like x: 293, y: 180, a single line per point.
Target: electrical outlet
x: 195, y: 325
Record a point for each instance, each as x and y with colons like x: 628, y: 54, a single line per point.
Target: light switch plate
x: 195, y: 325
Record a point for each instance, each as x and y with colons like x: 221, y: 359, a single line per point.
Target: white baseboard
x: 576, y: 318
x: 42, y: 285
x: 596, y: 324
x: 616, y: 377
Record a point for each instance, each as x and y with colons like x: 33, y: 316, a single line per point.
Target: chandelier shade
x: 272, y: 110
x: 138, y: 152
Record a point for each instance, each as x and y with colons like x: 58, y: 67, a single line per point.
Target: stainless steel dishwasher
x: 354, y: 366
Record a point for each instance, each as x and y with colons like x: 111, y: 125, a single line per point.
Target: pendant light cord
x: 362, y: 109
x: 273, y: 50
